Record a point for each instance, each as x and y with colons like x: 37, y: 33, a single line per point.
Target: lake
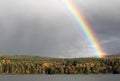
x: 60, y: 77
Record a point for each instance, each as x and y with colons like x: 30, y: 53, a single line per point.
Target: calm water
x: 59, y: 77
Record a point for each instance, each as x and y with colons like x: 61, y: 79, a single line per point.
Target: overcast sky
x: 45, y: 27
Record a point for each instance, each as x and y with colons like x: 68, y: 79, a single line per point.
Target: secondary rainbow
x: 85, y: 28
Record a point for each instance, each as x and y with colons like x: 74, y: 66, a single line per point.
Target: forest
x: 24, y: 64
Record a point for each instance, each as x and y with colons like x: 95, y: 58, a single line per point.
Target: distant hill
x: 30, y: 57
x: 26, y: 64
x: 113, y: 56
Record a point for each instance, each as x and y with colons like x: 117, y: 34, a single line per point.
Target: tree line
x: 38, y: 65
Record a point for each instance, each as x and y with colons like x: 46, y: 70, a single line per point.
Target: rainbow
x: 85, y: 28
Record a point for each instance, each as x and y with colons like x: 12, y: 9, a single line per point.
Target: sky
x: 46, y: 28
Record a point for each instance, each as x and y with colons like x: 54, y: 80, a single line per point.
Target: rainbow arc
x: 85, y: 28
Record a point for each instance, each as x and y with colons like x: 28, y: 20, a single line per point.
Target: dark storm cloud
x: 44, y: 27
x: 103, y: 16
x: 31, y: 28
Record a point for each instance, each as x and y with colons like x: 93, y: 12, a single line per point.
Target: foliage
x: 23, y: 64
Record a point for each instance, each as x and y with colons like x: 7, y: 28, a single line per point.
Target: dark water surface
x: 60, y: 77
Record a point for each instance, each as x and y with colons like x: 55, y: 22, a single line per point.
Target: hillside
x: 24, y: 64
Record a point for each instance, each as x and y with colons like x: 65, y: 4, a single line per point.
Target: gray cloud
x: 44, y: 27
